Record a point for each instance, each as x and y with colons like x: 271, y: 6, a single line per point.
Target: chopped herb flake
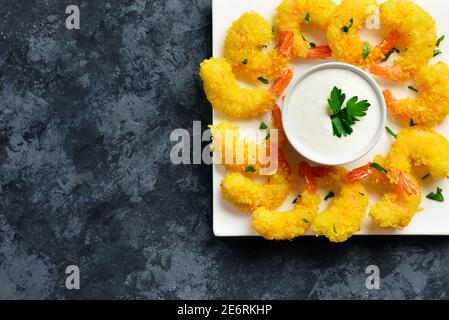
x: 263, y: 80
x: 329, y: 196
x: 413, y: 88
x: 438, y: 196
x: 263, y: 126
x: 345, y: 29
x: 412, y: 123
x: 391, y: 132
x: 387, y: 56
x: 362, y: 194
x: 250, y: 169
x: 440, y: 39
x: 436, y: 52
x: 307, y: 17
x: 335, y: 229
x: 245, y: 61
x: 426, y: 177
x: 312, y: 45
x: 305, y: 220
x: 366, y: 50
x: 379, y: 168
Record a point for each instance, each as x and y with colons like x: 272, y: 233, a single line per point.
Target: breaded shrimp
x: 227, y: 97
x: 246, y: 49
x: 344, y: 216
x: 416, y: 38
x: 292, y: 15
x: 249, y: 195
x: 396, y: 208
x: 417, y: 146
x: 273, y: 225
x: 254, y: 155
x: 432, y: 105
x: 343, y: 37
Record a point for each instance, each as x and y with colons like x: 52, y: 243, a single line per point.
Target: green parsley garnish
x: 413, y: 88
x: 329, y: 196
x: 379, y: 168
x: 440, y: 39
x: 273, y: 29
x: 263, y: 80
x: 426, y: 176
x: 366, y: 50
x: 335, y: 229
x: 312, y: 45
x: 268, y: 136
x: 438, y: 196
x: 436, y: 52
x: 263, y: 126
x: 245, y: 61
x: 307, y: 17
x: 305, y: 220
x: 412, y: 123
x: 362, y: 194
x: 344, y: 119
x: 387, y: 56
x: 250, y: 169
x: 345, y: 29
x: 391, y: 132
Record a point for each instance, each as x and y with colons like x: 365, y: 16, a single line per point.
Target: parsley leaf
x: 379, y: 168
x: 307, y: 17
x: 440, y: 39
x: 344, y: 119
x: 263, y: 80
x: 245, y: 61
x: 345, y: 29
x: 366, y: 50
x: 336, y: 100
x: 387, y: 56
x: 263, y: 126
x: 438, y: 196
x: 329, y: 196
x: 412, y: 123
x: 391, y: 132
x: 250, y: 169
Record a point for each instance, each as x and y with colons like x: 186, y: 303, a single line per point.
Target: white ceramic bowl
x: 338, y: 159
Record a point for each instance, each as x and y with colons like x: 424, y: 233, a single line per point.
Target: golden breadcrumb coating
x: 246, y: 49
x: 344, y: 216
x: 431, y: 106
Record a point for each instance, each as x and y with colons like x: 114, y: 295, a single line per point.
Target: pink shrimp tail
x: 305, y: 171
x: 392, y: 73
x: 389, y: 42
x: 389, y: 99
x: 276, y: 117
x: 281, y: 83
x: 406, y: 183
x: 360, y: 173
x: 320, y: 52
x: 286, y: 39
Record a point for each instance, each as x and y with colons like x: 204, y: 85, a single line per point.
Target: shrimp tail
x: 360, y: 173
x: 281, y: 83
x: 389, y: 42
x: 286, y: 39
x: 320, y: 52
x: 305, y: 171
x: 393, y: 73
x: 389, y: 99
x: 405, y: 182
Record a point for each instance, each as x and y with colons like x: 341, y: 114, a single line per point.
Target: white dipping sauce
x: 307, y: 119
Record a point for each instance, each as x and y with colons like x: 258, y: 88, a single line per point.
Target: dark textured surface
x: 85, y: 176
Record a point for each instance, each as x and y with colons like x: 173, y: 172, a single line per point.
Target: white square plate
x: 229, y: 222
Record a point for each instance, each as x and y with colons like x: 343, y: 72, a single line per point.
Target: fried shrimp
x: 344, y: 216
x: 227, y: 97
x: 342, y: 33
x: 416, y: 38
x: 273, y: 225
x: 249, y: 195
x: 417, y: 147
x: 246, y: 49
x: 431, y: 106
x: 227, y: 142
x: 396, y: 208
x: 292, y: 15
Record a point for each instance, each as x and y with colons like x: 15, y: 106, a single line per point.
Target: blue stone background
x: 85, y: 176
